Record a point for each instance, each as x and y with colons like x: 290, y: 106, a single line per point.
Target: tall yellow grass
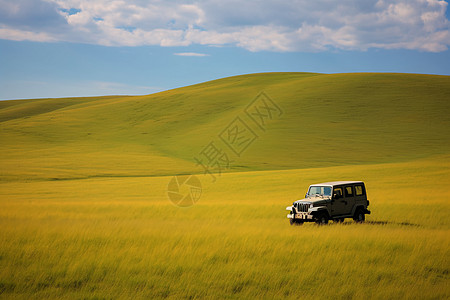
x: 122, y: 238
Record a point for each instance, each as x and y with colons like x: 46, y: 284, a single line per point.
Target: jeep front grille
x: 302, y: 207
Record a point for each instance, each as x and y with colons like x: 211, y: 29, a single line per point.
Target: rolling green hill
x: 325, y: 121
x: 115, y: 234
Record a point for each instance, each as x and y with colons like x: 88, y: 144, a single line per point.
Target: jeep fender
x: 289, y: 208
x: 365, y: 210
x: 320, y: 209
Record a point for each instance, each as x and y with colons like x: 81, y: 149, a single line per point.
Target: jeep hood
x: 315, y: 200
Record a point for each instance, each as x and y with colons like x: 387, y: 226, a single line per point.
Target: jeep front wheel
x: 359, y: 216
x: 322, y: 219
x: 295, y: 222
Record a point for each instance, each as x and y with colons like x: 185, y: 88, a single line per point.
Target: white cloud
x: 191, y: 54
x: 272, y: 25
x: 24, y: 35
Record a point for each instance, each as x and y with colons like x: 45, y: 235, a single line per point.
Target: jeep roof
x: 333, y: 183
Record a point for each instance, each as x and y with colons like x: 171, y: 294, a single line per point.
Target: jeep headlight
x: 311, y: 205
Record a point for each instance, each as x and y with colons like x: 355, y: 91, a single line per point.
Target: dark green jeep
x: 331, y: 201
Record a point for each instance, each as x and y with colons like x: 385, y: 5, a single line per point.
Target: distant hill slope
x: 336, y: 119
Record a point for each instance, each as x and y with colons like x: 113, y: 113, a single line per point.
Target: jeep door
x: 349, y: 196
x: 338, y: 206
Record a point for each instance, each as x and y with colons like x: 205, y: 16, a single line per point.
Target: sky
x: 72, y: 48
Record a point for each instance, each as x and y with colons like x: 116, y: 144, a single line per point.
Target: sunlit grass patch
x: 72, y: 239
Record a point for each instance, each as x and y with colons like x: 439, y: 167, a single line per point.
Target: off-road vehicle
x: 331, y: 201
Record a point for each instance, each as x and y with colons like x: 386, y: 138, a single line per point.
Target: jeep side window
x: 348, y: 191
x: 337, y: 193
x: 359, y: 190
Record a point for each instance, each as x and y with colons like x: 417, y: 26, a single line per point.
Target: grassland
x: 84, y: 211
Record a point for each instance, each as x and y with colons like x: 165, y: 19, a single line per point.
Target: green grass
x: 84, y: 212
x: 378, y: 117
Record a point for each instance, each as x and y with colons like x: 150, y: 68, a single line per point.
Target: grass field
x: 85, y: 214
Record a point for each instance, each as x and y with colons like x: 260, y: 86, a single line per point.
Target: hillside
x: 389, y: 130
x: 325, y: 120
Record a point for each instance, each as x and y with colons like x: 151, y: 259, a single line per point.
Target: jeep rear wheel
x: 322, y: 219
x: 359, y: 216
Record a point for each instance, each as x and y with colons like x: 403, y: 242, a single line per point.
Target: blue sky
x: 62, y: 48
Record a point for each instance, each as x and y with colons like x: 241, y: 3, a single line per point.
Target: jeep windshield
x: 319, y: 191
